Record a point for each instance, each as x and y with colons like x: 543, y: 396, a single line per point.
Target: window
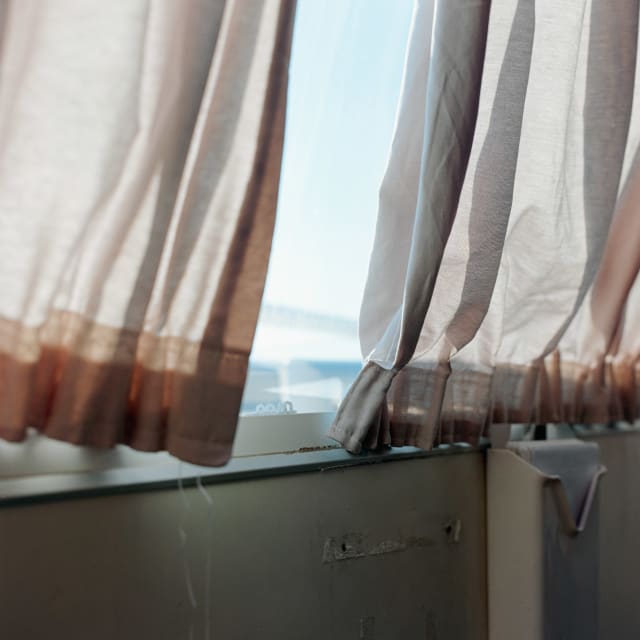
x: 345, y: 77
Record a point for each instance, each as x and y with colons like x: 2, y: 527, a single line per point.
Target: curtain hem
x: 440, y: 405
x: 64, y: 396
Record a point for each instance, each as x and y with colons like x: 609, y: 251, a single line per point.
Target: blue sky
x: 345, y: 78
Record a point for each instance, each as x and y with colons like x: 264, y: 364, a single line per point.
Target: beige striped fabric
x: 503, y: 282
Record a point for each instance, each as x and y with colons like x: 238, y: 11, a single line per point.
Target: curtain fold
x: 140, y: 148
x: 520, y: 296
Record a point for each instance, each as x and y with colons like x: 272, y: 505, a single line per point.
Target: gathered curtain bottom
x: 424, y: 407
x: 88, y: 384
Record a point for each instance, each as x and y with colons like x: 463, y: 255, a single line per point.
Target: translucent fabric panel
x: 519, y: 297
x: 140, y: 145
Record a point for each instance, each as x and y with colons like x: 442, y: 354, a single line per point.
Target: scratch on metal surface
x: 367, y: 628
x: 453, y: 529
x: 326, y: 447
x: 355, y: 545
x: 290, y: 452
x: 431, y: 632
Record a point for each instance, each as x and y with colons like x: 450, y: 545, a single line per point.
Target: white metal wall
x: 388, y: 551
x: 620, y: 537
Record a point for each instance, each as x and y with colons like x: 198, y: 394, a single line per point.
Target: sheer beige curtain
x: 503, y: 282
x: 140, y: 146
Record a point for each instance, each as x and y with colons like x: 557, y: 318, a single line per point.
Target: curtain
x: 140, y: 147
x: 503, y: 281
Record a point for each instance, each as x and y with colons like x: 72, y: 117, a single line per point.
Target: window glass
x: 345, y: 77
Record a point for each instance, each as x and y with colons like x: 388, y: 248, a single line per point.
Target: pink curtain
x: 140, y: 147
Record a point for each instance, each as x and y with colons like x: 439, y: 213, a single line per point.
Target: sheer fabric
x: 503, y: 281
x: 140, y: 146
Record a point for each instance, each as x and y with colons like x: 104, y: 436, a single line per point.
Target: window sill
x: 33, y: 489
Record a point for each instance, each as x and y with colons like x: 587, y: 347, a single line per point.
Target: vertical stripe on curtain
x: 140, y: 148
x: 514, y: 298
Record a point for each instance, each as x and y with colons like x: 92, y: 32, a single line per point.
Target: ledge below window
x: 171, y: 474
